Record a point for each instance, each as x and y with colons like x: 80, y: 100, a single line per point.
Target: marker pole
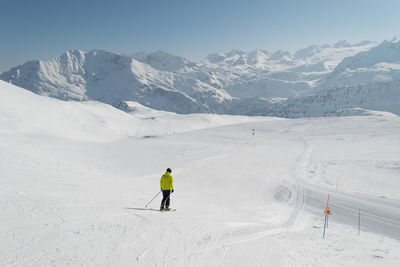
x: 359, y: 221
x: 327, y: 203
x: 326, y: 217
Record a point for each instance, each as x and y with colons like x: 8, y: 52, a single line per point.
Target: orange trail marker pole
x: 327, y: 208
x: 327, y: 203
x: 326, y: 217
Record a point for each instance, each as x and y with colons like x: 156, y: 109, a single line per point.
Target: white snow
x: 75, y: 179
x: 379, y: 64
x: 218, y: 84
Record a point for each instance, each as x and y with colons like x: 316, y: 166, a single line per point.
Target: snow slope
x: 76, y: 178
x: 25, y: 113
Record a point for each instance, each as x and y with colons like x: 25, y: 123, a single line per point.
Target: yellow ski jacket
x: 166, y: 182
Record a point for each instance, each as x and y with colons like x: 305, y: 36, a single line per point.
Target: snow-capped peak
x: 281, y: 55
x: 215, y: 58
x: 232, y: 82
x: 395, y: 39
x: 162, y: 60
x: 307, y: 52
x: 362, y: 43
x: 235, y: 52
x: 257, y: 56
x: 342, y: 43
x: 387, y: 51
x: 74, y: 53
x: 238, y: 58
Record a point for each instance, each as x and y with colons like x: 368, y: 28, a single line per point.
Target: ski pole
x: 153, y: 198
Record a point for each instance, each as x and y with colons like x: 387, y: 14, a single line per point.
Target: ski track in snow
x: 298, y: 196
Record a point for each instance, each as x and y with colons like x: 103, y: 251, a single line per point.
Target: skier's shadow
x: 128, y: 208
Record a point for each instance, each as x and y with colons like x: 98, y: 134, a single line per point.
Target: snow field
x: 76, y: 177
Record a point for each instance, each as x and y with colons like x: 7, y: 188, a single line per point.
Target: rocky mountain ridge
x: 313, y: 81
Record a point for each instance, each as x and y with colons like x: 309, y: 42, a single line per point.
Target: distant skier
x: 167, y: 187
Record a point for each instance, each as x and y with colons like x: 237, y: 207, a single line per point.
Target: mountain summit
x: 237, y: 82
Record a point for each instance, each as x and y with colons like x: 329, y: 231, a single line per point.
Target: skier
x: 167, y: 187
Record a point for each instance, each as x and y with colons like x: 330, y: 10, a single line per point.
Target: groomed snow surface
x: 75, y: 179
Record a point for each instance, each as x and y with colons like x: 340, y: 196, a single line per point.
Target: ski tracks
x: 296, y: 197
x: 299, y: 172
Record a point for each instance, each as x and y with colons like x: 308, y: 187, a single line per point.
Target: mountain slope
x: 373, y: 96
x: 313, y: 81
x: 112, y: 78
x: 380, y: 64
x: 161, y: 60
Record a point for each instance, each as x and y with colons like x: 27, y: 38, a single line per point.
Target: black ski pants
x: 165, y: 200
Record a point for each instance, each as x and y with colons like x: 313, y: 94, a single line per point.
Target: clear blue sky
x: 38, y: 29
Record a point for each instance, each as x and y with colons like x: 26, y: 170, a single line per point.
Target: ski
x: 168, y: 210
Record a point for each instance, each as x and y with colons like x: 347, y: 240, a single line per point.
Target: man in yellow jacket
x: 167, y: 187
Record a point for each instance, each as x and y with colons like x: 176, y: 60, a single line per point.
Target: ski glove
x: 172, y: 190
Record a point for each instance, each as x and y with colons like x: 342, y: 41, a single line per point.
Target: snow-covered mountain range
x: 314, y: 81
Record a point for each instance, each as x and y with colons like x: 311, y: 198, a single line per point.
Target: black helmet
x: 169, y: 170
